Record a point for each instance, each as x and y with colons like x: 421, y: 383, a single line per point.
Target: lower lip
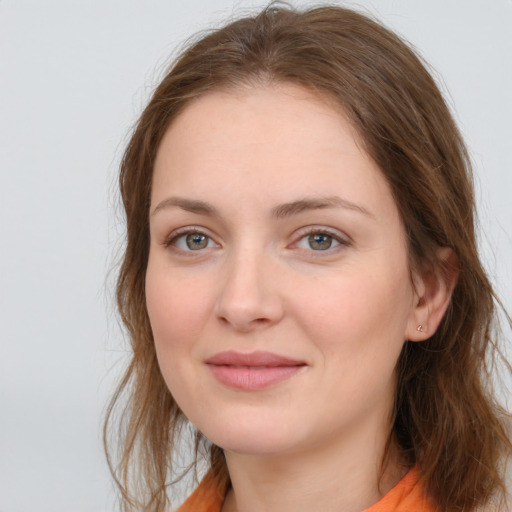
x: 253, y: 378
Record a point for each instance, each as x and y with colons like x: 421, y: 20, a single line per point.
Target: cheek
x: 177, y: 308
x: 178, y: 314
x: 360, y: 313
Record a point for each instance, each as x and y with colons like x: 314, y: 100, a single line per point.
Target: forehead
x: 280, y: 112
x: 265, y: 140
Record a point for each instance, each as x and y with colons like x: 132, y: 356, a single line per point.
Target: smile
x: 254, y: 371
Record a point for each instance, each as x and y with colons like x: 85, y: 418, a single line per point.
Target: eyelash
x: 333, y: 236
x: 174, y: 237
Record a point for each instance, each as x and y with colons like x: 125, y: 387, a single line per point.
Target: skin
x: 255, y: 282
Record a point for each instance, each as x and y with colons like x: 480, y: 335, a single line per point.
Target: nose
x: 249, y: 296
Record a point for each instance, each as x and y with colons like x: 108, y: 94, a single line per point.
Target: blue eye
x: 192, y: 241
x: 319, y: 241
x: 196, y: 241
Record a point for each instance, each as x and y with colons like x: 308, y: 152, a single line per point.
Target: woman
x: 301, y: 280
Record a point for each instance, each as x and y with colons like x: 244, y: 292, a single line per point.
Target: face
x: 277, y: 286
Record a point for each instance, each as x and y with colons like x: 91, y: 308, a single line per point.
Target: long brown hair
x: 446, y: 420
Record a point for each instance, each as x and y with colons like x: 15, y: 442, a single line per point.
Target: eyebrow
x: 317, y: 203
x: 189, y: 205
x: 279, y: 212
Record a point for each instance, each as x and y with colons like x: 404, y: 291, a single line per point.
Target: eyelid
x: 342, y: 239
x: 170, y: 239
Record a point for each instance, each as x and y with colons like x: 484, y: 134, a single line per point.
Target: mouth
x: 254, y: 371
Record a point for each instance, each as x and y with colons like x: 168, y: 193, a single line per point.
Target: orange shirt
x: 406, y: 496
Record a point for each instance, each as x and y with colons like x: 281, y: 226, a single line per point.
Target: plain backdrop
x: 74, y: 75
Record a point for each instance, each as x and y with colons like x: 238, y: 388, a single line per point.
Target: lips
x: 254, y: 371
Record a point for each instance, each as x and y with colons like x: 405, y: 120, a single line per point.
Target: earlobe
x: 433, y: 291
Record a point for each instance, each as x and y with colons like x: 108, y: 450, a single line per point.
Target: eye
x: 190, y: 241
x: 320, y: 240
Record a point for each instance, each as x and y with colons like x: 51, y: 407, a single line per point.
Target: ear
x: 433, y: 288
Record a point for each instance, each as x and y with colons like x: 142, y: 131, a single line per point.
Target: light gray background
x: 74, y: 75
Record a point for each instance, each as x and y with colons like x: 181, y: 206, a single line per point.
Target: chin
x: 252, y: 437
x: 256, y: 446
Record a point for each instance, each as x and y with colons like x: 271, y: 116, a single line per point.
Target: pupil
x: 196, y: 241
x: 320, y: 241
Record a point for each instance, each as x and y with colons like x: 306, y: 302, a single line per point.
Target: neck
x: 337, y: 476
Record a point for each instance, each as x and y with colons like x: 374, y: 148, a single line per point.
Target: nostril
x: 244, y: 325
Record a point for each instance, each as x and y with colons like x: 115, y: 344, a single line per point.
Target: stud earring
x: 419, y: 328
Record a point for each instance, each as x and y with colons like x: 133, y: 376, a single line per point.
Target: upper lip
x: 258, y: 358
